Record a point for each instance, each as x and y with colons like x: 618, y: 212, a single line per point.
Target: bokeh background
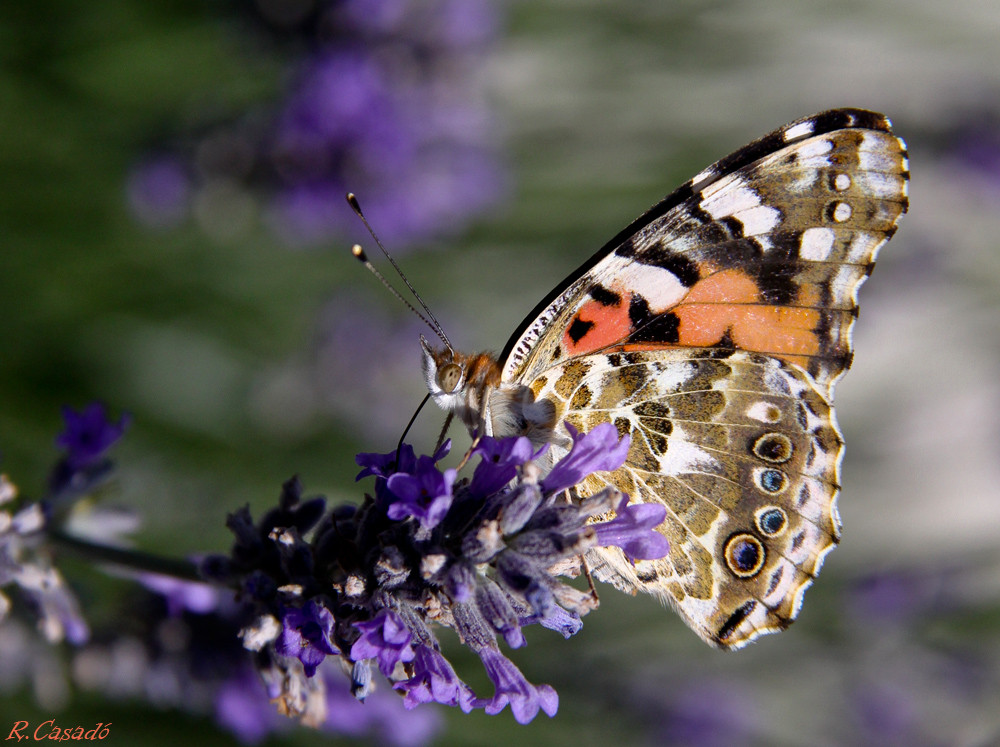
x: 174, y: 242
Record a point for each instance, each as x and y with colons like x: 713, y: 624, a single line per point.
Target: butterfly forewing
x: 711, y: 331
x: 763, y: 251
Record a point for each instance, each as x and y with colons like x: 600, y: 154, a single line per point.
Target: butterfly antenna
x: 436, y: 326
x: 360, y: 255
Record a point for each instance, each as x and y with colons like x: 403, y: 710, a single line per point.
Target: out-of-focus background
x: 174, y: 242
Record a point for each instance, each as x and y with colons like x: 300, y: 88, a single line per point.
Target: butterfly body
x: 712, y: 331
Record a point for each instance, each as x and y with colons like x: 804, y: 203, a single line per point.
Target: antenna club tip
x: 358, y: 252
x: 352, y: 200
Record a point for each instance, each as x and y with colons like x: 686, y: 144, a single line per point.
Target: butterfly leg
x: 468, y: 453
x: 444, y: 432
x: 584, y: 566
x: 590, y: 580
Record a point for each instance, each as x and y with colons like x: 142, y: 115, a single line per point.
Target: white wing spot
x: 861, y: 247
x: 882, y: 186
x: 758, y: 220
x: 846, y: 279
x: 816, y: 244
x: 684, y: 458
x: 669, y: 378
x: 803, y: 182
x: 802, y: 129
x: 841, y: 182
x: 660, y: 287
x: 733, y: 198
x: 764, y: 412
x: 813, y: 148
x: 726, y: 196
x: 841, y: 212
x: 875, y: 154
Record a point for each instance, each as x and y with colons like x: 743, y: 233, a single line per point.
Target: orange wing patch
x: 598, y: 324
x: 728, y: 303
x: 723, y: 307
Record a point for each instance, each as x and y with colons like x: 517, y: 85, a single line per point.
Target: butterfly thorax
x: 470, y: 387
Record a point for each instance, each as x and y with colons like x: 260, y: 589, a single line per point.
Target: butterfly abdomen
x: 514, y: 411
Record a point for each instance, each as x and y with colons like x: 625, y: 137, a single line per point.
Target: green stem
x: 136, y: 560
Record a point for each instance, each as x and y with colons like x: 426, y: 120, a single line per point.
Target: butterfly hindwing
x: 744, y: 454
x: 764, y: 251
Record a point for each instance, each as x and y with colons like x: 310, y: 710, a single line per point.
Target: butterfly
x: 712, y: 331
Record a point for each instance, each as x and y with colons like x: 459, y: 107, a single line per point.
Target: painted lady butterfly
x: 712, y: 331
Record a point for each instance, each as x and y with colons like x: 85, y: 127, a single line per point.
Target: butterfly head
x: 443, y: 370
x: 458, y: 382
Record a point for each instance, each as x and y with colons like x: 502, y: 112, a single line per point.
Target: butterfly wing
x: 712, y: 330
x: 764, y: 251
x: 743, y: 452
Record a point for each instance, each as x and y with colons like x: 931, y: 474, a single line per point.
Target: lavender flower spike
x: 481, y: 554
x: 25, y: 563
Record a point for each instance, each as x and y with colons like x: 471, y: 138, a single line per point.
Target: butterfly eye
x: 449, y: 376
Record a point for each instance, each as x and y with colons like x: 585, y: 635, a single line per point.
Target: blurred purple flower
x: 159, y: 191
x: 306, y: 213
x: 899, y: 596
x: 709, y: 714
x: 467, y: 23
x: 383, y: 715
x: 182, y: 596
x: 974, y: 145
x: 383, y: 99
x: 88, y: 434
x: 213, y: 671
x: 360, y: 348
x: 885, y: 715
x: 241, y: 707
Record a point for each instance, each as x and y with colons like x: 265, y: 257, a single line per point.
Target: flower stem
x: 135, y: 560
